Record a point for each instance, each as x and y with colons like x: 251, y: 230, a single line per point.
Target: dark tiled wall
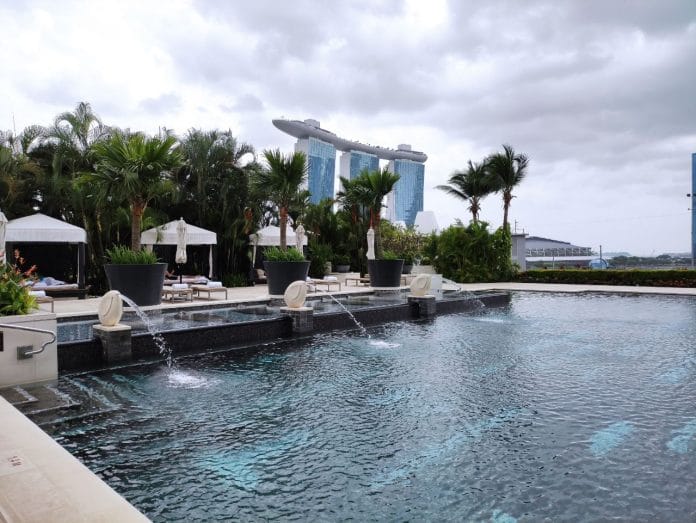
x: 87, y: 355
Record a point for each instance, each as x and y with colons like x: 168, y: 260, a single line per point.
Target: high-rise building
x: 321, y: 167
x: 406, y: 200
x: 354, y: 162
x: 321, y: 145
x: 693, y: 207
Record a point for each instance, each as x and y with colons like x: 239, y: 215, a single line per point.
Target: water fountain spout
x: 110, y: 309
x: 164, y: 349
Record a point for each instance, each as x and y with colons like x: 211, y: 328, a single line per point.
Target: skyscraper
x: 321, y: 145
x: 406, y: 200
x: 321, y: 167
x: 354, y: 162
x: 693, y: 207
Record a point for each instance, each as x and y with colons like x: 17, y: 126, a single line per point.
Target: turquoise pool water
x: 558, y: 407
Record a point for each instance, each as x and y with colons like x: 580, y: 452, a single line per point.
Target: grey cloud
x: 162, y: 104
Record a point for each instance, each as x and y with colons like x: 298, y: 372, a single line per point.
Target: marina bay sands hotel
x: 320, y: 146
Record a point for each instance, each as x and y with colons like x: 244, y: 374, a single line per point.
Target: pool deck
x: 69, y: 307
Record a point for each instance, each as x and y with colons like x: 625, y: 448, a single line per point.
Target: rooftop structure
x: 545, y: 247
x: 311, y: 129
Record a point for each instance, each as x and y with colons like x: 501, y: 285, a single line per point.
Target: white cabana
x: 271, y: 236
x: 39, y: 228
x: 167, y: 235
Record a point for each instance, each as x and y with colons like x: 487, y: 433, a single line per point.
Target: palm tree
x: 66, y: 150
x: 370, y: 188
x: 507, y: 170
x: 19, y: 174
x: 471, y: 185
x: 135, y: 169
x: 281, y: 182
x: 210, y: 156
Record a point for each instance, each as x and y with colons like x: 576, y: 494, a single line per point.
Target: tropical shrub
x: 235, y: 280
x: 275, y: 254
x: 122, y: 255
x: 319, y: 254
x: 405, y: 243
x: 473, y: 254
x: 14, y: 297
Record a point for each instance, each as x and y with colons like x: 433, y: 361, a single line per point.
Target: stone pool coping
x: 69, y: 308
x: 41, y: 481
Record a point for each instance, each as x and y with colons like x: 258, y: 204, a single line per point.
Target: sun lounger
x: 324, y: 283
x: 41, y: 297
x: 199, y: 290
x: 358, y: 281
x: 191, y: 280
x: 64, y: 291
x: 171, y: 293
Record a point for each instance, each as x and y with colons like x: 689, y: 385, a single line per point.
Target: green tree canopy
x: 470, y: 185
x: 135, y: 169
x: 507, y: 169
x: 281, y: 183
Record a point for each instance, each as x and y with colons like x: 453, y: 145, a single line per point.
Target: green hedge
x: 648, y: 278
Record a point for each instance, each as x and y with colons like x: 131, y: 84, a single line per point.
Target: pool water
x: 557, y: 407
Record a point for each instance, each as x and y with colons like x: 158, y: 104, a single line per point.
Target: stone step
x: 17, y: 396
x: 50, y: 399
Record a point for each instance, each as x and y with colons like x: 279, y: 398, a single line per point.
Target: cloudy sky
x: 600, y: 94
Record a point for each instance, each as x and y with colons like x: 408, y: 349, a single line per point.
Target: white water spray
x: 164, y: 349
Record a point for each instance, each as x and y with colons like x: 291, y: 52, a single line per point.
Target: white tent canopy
x: 271, y: 236
x: 40, y: 228
x: 166, y: 235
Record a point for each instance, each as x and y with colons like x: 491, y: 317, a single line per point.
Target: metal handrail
x: 32, y: 329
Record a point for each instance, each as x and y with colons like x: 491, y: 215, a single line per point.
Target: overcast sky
x: 601, y: 95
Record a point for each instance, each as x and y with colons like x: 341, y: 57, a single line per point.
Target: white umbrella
x: 180, y: 245
x: 3, y: 230
x: 299, y: 237
x: 371, y: 244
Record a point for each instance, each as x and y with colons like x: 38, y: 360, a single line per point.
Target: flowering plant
x: 14, y: 295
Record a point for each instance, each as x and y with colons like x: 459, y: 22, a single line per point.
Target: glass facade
x: 360, y: 161
x: 321, y: 169
x: 408, y: 191
x: 693, y: 206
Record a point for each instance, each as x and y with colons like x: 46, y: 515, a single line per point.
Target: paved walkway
x: 237, y: 295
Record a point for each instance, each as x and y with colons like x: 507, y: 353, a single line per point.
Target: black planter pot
x: 141, y: 283
x: 280, y: 274
x: 385, y: 273
x: 407, y: 269
x: 342, y: 268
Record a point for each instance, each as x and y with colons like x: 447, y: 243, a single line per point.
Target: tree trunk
x: 374, y: 223
x: 283, y: 211
x: 507, y: 198
x: 136, y: 223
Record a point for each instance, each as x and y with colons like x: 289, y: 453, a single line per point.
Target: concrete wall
x: 40, y: 367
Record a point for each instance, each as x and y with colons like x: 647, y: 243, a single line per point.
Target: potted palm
x: 342, y: 263
x: 135, y: 169
x: 135, y: 274
x: 281, y: 184
x: 385, y: 270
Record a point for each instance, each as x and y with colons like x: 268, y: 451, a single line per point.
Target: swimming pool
x: 558, y: 406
